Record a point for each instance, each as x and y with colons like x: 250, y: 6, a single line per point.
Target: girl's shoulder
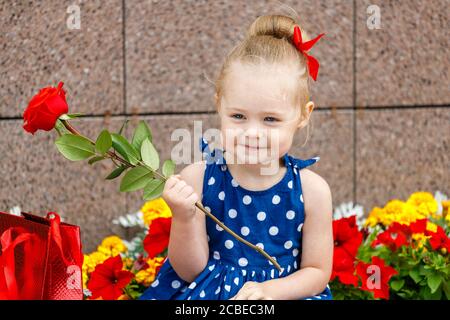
x: 315, y: 189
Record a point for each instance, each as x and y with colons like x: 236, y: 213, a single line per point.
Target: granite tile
x: 400, y: 152
x: 406, y: 61
x: 175, y: 49
x: 39, y: 50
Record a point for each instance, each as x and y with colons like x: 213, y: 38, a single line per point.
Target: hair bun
x: 277, y: 26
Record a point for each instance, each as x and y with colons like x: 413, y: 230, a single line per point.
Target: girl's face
x: 258, y: 117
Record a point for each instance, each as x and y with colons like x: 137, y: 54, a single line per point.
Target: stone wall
x: 381, y: 126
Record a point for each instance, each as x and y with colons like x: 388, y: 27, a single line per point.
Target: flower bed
x: 400, y: 251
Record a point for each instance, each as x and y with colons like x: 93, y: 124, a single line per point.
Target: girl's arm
x: 188, y: 250
x: 317, y: 244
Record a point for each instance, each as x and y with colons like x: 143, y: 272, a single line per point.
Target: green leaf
x: 396, y: 285
x: 168, y: 168
x: 74, y: 147
x: 104, y: 142
x: 142, y: 132
x: 135, y: 179
x: 149, y: 154
x: 124, y: 148
x: 434, y: 281
x: 115, y: 173
x: 95, y: 159
x: 415, y: 275
x: 153, y: 189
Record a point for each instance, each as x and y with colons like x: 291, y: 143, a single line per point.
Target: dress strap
x: 211, y: 156
x: 300, y: 163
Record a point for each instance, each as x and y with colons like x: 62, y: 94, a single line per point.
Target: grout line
x: 124, y: 57
x: 180, y: 113
x: 355, y: 111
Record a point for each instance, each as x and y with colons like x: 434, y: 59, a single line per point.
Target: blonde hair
x: 269, y: 40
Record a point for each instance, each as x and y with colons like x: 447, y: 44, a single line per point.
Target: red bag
x: 40, y: 258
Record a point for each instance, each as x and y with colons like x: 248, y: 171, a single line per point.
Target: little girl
x: 262, y: 99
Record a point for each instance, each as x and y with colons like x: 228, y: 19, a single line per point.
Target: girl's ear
x: 305, y: 118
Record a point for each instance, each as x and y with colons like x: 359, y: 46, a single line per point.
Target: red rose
x: 45, y: 108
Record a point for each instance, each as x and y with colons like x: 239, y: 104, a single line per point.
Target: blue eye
x: 237, y: 116
x: 272, y: 119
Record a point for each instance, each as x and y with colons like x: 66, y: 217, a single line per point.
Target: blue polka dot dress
x: 271, y: 219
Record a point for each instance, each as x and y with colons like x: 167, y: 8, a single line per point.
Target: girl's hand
x: 180, y: 197
x: 252, y: 291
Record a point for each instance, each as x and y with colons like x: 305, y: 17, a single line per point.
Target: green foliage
x: 74, y: 147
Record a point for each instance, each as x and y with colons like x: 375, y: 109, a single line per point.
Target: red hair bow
x: 313, y: 64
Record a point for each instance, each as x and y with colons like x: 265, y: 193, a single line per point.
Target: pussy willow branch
x: 198, y: 204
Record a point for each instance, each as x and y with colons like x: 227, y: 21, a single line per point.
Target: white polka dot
x: 273, y: 231
x: 183, y: 289
x: 155, y: 283
x: 223, y: 167
x: 290, y: 184
x: 216, y: 255
x: 227, y: 287
x: 261, y: 216
x: 295, y: 264
x: 189, y: 298
x: 234, y: 183
x: 202, y: 294
x: 288, y: 244
x: 253, y: 273
x: 232, y: 213
x: 243, y: 262
x: 276, y: 199
x: 208, y: 209
x: 272, y: 273
x: 299, y: 228
x: 244, y: 272
x: 236, y: 281
x: 176, y: 284
x: 290, y: 214
x: 211, y: 267
x: 247, y: 199
x: 217, y: 290
x: 301, y: 198
x: 289, y: 269
x: 260, y: 245
x: 295, y: 171
x: 229, y: 244
x: 221, y: 195
x: 211, y: 181
x: 295, y: 252
x: 316, y: 158
x: 192, y: 285
x: 219, y: 228
x: 216, y: 276
x: 245, y: 231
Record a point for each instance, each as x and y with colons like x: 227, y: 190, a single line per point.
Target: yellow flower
x: 420, y: 239
x: 147, y: 276
x: 446, y: 209
x: 112, y: 246
x: 92, y: 260
x: 431, y: 226
x: 424, y: 203
x: 153, y: 209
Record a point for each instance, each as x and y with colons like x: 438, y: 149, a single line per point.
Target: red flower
x: 347, y: 239
x: 45, y: 108
x: 394, y: 237
x: 108, y: 279
x: 418, y: 226
x: 439, y: 239
x: 157, y: 239
x: 375, y: 277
